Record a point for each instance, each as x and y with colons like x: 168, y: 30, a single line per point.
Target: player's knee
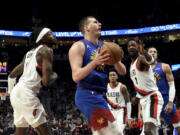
x: 147, y: 129
x: 147, y: 132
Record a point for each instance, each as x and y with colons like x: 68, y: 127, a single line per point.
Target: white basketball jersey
x: 115, y: 96
x: 143, y: 81
x: 30, y: 76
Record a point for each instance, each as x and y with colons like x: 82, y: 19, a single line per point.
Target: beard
x: 133, y: 54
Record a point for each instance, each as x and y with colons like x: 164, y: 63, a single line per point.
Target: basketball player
x: 90, y: 72
x: 165, y: 82
x: 142, y: 76
x: 36, y: 70
x: 119, y: 102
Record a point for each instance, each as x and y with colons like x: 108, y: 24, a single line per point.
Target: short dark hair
x: 113, y: 70
x: 151, y: 47
x: 137, y: 40
x: 84, y: 21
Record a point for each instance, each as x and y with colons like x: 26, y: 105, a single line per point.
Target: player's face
x: 153, y: 52
x: 50, y: 38
x: 113, y: 77
x: 94, y: 26
x: 132, y: 48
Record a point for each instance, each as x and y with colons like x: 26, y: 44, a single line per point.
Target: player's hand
x: 101, y: 57
x: 141, y: 48
x: 129, y: 123
x: 169, y: 107
x: 134, y: 100
x: 53, y: 78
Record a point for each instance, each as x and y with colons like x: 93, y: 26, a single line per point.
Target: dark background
x: 64, y: 16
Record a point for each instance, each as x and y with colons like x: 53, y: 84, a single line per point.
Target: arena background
x: 64, y: 117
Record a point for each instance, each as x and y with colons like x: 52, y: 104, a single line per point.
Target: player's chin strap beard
x: 133, y: 54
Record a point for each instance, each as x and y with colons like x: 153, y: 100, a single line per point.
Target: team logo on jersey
x: 157, y: 77
x: 93, y: 54
x: 100, y: 120
x: 133, y: 73
x: 92, y: 57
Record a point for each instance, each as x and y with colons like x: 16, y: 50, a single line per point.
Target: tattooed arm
x: 18, y: 70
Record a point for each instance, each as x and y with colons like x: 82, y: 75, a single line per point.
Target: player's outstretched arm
x: 170, y: 79
x: 120, y: 67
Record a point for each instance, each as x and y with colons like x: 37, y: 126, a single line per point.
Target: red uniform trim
x: 176, y: 117
x: 155, y: 105
x: 114, y: 105
x: 142, y: 91
x: 100, y: 117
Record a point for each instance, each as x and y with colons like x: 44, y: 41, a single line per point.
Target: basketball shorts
x: 27, y: 108
x: 120, y: 118
x: 95, y: 108
x: 151, y: 107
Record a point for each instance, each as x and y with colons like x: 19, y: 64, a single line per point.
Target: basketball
x: 115, y: 51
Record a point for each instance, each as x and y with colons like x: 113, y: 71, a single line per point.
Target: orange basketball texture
x: 115, y: 51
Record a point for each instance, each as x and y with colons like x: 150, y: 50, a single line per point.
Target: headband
x: 42, y: 33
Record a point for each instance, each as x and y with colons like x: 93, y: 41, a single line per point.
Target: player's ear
x: 86, y: 27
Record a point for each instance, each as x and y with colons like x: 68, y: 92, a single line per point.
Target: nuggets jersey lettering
x: 98, y: 78
x: 30, y: 76
x: 160, y: 79
x: 115, y: 96
x: 143, y: 80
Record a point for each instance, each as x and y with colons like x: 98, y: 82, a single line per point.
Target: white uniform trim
x: 42, y: 33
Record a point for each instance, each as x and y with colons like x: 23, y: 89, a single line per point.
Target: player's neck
x: 92, y: 39
x: 154, y: 64
x: 113, y: 84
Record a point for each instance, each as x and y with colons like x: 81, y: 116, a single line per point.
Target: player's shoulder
x: 77, y: 46
x: 123, y: 85
x: 104, y: 42
x: 45, y: 50
x: 78, y: 43
x: 165, y: 67
x: 123, y: 88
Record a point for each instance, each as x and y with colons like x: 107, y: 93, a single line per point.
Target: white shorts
x: 151, y: 107
x: 119, y: 115
x: 27, y: 108
x: 111, y: 129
